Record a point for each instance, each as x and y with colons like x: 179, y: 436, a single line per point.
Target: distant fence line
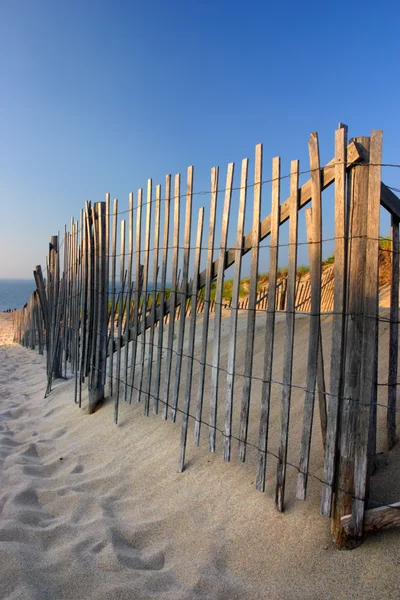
x: 80, y: 322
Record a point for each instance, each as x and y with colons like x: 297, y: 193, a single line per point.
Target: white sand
x: 93, y: 511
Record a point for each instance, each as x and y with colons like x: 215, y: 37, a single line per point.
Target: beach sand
x: 94, y: 511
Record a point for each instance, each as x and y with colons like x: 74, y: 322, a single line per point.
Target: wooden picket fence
x: 136, y: 336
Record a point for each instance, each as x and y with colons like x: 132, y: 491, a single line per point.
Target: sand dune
x: 93, y: 511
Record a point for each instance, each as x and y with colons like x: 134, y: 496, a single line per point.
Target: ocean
x: 14, y: 293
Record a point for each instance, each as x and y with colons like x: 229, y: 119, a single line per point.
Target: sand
x: 94, y: 511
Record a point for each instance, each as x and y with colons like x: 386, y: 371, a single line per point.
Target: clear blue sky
x: 98, y: 96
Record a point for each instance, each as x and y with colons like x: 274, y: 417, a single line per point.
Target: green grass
x: 385, y: 243
x: 329, y: 261
x: 302, y: 270
x: 227, y: 291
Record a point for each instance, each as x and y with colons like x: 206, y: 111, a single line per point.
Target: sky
x: 99, y: 96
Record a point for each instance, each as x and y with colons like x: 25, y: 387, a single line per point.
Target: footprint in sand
x: 77, y: 469
x: 27, y: 456
x: 59, y: 433
x: 53, y: 411
x: 42, y: 470
x: 11, y: 413
x: 114, y: 555
x: 7, y: 444
x: 19, y: 510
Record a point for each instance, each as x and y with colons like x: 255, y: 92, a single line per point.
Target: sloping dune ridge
x: 93, y: 511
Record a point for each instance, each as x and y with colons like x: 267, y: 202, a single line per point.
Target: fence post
x: 99, y: 354
x: 394, y: 336
x: 54, y: 277
x: 352, y: 422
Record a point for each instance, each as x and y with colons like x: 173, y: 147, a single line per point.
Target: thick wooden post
x: 349, y: 405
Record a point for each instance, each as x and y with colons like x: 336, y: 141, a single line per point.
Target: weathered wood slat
x: 57, y: 332
x: 349, y: 404
x: 83, y: 331
x: 144, y: 289
x: 107, y: 278
x: 370, y: 346
x: 103, y: 301
x: 77, y: 301
x: 77, y: 311
x: 192, y: 334
x: 153, y: 299
x: 64, y: 328
x: 56, y: 367
x: 122, y: 291
x: 71, y: 299
x: 322, y: 395
x: 101, y: 352
x: 129, y: 294
x: 338, y: 326
x: 80, y: 302
x: 376, y: 519
x: 113, y: 294
x: 39, y: 323
x: 393, y: 336
x: 95, y: 272
x: 251, y: 315
x: 206, y: 310
x: 162, y: 294
x: 95, y: 340
x: 390, y: 201
x: 235, y: 306
x: 174, y: 284
x: 289, y: 336
x: 269, y: 327
x: 218, y: 309
x: 135, y: 327
x: 183, y: 295
x: 89, y: 284
x: 314, y: 222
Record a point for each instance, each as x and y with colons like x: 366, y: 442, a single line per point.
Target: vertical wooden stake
x: 96, y: 385
x: 113, y: 295
x: 315, y: 322
x: 349, y: 406
x: 153, y: 300
x: 183, y: 294
x: 120, y: 311
x: 129, y: 294
x: 144, y: 288
x: 138, y: 277
x: 174, y: 284
x: 218, y: 308
x: 393, y: 337
x: 207, y: 292
x: 235, y: 305
x: 367, y: 408
x: 269, y: 326
x: 162, y: 294
x: 289, y: 337
x: 251, y: 315
x: 192, y: 333
x: 338, y: 326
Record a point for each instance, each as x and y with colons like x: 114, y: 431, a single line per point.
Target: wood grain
x: 289, y: 336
